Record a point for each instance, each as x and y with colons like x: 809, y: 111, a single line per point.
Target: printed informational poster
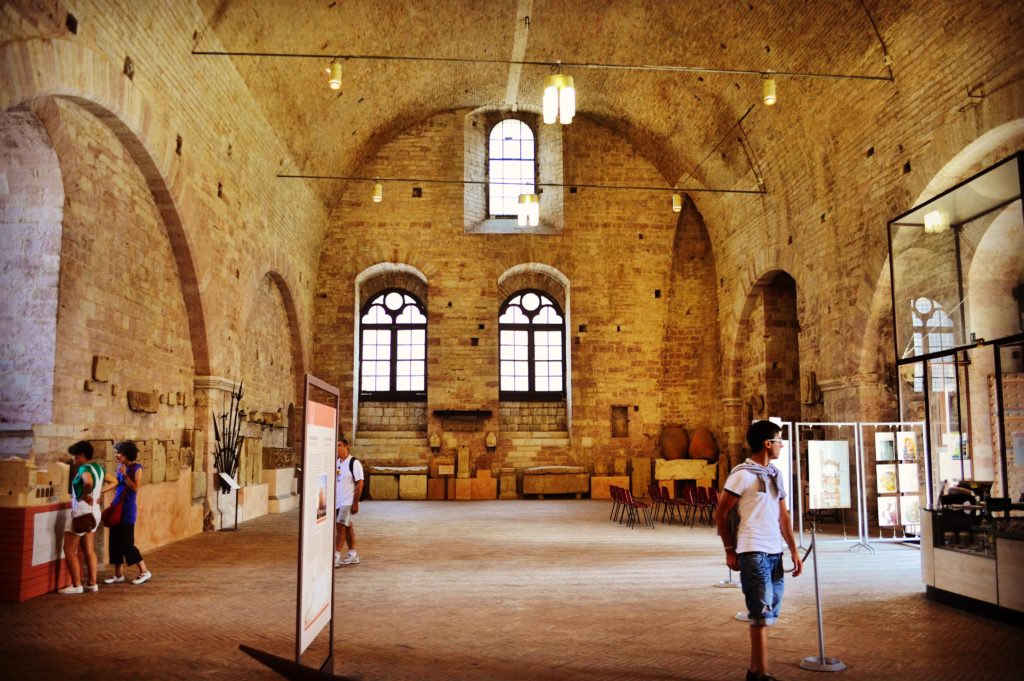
x: 48, y: 536
x: 828, y: 470
x: 885, y: 446
x: 910, y: 510
x: 888, y: 512
x: 906, y: 445
x: 1018, y: 447
x: 886, y: 478
x: 317, y: 536
x: 908, y: 478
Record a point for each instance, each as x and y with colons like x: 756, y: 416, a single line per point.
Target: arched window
x: 393, y: 347
x: 532, y: 348
x: 511, y: 166
x: 933, y: 332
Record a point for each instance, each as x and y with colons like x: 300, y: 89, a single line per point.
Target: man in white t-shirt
x: 758, y: 492
x: 346, y: 504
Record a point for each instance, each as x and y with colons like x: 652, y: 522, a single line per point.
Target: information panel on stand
x: 317, y: 523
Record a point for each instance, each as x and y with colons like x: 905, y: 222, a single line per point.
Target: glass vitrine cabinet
x: 957, y: 268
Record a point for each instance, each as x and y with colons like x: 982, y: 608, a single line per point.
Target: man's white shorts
x: 344, y: 516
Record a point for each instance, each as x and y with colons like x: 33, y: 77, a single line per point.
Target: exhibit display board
x: 828, y: 473
x: 316, y: 521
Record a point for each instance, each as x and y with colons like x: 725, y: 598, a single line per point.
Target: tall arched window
x: 933, y: 332
x: 393, y: 347
x: 532, y: 348
x: 511, y: 166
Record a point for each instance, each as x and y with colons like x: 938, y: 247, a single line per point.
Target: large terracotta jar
x: 703, y: 445
x: 675, y: 442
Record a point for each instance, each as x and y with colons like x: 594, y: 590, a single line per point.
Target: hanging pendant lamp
x: 528, y: 210
x: 334, y: 75
x: 559, y: 99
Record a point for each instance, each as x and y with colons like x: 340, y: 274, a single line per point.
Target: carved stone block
x: 198, y: 485
x: 103, y: 454
x: 463, y: 489
x: 600, y: 485
x: 146, y: 459
x: 435, y: 489
x: 463, y: 463
x: 102, y: 368
x: 641, y: 476
x: 188, y: 457
x: 158, y: 468
x: 173, y: 461
x: 412, y: 487
x: 508, y: 483
x: 384, y: 487
x: 89, y: 386
x: 484, y: 488
x: 147, y: 402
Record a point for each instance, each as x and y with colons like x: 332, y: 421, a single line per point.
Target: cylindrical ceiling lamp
x: 559, y: 99
x: 769, y: 91
x: 334, y: 75
x: 378, y: 192
x: 528, y: 210
x: 677, y: 203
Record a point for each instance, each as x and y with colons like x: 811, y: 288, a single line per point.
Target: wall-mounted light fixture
x: 769, y: 91
x: 559, y: 99
x: 334, y: 75
x: 936, y: 221
x: 528, y: 211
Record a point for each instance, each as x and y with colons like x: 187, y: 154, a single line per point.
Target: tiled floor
x: 499, y: 590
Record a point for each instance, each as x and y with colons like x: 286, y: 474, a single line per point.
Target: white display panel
x: 828, y: 469
x: 317, y: 535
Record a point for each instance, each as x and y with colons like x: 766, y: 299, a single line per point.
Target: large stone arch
x: 874, y: 363
x: 273, y: 352
x: 32, y: 210
x: 59, y: 68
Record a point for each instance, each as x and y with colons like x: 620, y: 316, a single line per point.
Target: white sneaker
x: 70, y: 590
x: 114, y: 580
x: 92, y: 587
x: 350, y: 559
x: 143, y: 578
x: 337, y: 560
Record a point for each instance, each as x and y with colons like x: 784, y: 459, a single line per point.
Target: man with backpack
x: 346, y: 503
x: 753, y: 544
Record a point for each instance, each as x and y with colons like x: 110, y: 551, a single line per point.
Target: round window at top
x: 531, y: 302
x: 923, y: 305
x: 393, y: 301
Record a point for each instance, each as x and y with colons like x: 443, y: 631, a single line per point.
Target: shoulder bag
x: 83, y: 522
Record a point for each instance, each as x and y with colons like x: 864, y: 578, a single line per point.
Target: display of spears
x: 229, y: 445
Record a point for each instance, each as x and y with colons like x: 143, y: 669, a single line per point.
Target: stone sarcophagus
x: 541, y: 480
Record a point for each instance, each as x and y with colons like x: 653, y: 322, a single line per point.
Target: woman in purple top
x: 122, y: 536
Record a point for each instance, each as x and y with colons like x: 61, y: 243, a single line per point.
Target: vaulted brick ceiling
x: 674, y: 119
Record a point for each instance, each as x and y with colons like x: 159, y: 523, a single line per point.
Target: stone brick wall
x: 616, y: 251
x: 532, y: 416
x: 268, y: 368
x: 119, y: 295
x: 31, y: 208
x: 393, y: 416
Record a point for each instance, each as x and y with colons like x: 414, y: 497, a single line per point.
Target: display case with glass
x: 957, y: 267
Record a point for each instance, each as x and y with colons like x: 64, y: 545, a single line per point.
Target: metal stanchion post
x: 819, y: 663
x: 727, y: 583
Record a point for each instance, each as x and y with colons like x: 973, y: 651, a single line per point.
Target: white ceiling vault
x: 685, y: 123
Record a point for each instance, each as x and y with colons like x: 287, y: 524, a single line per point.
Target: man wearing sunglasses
x: 756, y: 493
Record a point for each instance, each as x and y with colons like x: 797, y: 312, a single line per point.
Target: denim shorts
x: 761, y: 577
x: 343, y: 516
